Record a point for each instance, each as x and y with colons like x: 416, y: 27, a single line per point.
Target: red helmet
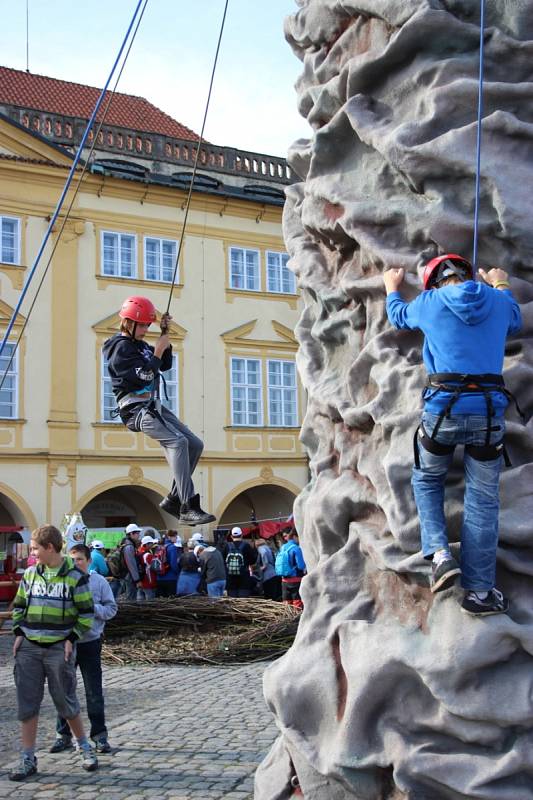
x: 138, y: 309
x: 457, y: 264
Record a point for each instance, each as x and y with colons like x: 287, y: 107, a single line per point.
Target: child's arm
x: 107, y: 607
x: 128, y: 364
x: 19, y: 606
x: 400, y: 313
x: 499, y: 279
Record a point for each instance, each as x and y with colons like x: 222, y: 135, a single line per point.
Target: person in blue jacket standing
x: 465, y: 324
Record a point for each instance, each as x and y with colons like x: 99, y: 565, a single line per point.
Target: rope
x: 479, y: 119
x: 75, y: 194
x: 197, y: 156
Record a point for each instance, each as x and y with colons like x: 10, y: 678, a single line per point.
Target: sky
x: 253, y: 105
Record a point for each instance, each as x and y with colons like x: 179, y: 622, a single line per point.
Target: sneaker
x: 192, y: 514
x: 444, y: 574
x: 172, y: 505
x: 494, y: 603
x: 27, y: 767
x: 101, y: 745
x: 61, y: 744
x: 89, y: 761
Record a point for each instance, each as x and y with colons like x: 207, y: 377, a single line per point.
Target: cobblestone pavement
x: 178, y: 733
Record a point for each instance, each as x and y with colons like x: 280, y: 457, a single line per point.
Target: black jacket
x: 133, y: 366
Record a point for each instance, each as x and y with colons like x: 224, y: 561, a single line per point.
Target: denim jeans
x: 145, y: 595
x: 479, y: 533
x: 216, y: 588
x: 88, y: 659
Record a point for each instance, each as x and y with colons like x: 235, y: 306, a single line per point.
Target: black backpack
x: 234, y: 560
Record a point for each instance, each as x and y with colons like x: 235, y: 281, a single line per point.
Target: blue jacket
x: 465, y: 327
x: 98, y: 563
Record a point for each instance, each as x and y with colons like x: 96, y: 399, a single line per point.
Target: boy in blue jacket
x: 465, y: 324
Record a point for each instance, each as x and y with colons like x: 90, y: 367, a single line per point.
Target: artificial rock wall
x: 390, y: 692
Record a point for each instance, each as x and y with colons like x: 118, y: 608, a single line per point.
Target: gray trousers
x: 182, y: 448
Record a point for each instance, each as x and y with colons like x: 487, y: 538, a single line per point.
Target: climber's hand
x: 494, y: 276
x: 393, y: 279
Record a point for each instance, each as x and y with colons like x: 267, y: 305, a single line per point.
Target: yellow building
x: 234, y: 309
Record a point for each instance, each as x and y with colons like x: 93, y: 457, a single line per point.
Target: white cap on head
x: 236, y: 532
x: 197, y: 536
x: 148, y: 540
x: 133, y: 528
x: 198, y: 549
x: 97, y: 544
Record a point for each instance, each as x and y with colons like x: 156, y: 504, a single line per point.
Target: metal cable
x: 111, y: 95
x: 478, y: 141
x: 199, y: 145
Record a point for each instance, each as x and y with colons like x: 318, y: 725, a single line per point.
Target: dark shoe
x: 171, y: 505
x: 61, y: 744
x: 89, y: 761
x: 101, y: 745
x: 192, y: 514
x: 27, y: 768
x: 494, y: 603
x: 444, y: 574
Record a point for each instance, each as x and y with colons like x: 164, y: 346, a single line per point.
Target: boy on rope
x: 134, y: 367
x: 465, y: 324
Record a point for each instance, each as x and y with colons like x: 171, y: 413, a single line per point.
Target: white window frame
x: 103, y: 379
x: 247, y: 386
x: 280, y: 268
x: 16, y: 260
x: 118, y: 274
x: 244, y: 250
x: 176, y: 408
x: 283, y: 388
x: 14, y: 371
x: 161, y: 241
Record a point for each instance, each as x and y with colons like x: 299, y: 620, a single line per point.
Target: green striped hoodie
x: 46, y: 612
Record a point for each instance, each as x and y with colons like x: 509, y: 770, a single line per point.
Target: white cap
x: 148, y: 540
x: 198, y: 548
x: 133, y: 528
x: 97, y: 544
x: 236, y: 532
x: 197, y: 537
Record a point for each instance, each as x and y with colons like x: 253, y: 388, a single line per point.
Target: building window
x: 9, y: 391
x: 119, y: 254
x: 10, y: 240
x: 244, y: 269
x: 170, y: 398
x: 279, y: 276
x: 108, y: 398
x: 160, y: 259
x: 282, y: 394
x: 246, y: 394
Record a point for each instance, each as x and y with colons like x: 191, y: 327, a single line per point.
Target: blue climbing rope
x: 61, y: 200
x: 478, y: 142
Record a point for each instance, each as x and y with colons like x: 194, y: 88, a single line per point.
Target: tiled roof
x: 25, y: 90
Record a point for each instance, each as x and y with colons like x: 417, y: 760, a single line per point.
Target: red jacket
x: 150, y: 579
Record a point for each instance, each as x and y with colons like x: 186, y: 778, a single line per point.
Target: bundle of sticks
x: 189, y: 630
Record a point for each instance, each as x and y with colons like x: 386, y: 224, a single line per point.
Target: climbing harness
x: 196, y: 159
x: 455, y: 385
x: 75, y: 163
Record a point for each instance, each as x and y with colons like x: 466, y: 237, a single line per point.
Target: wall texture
x: 390, y: 692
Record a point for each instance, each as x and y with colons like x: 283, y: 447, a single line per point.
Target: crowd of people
x: 147, y: 564
x: 64, y: 601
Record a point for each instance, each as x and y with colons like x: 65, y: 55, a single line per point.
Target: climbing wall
x: 390, y: 692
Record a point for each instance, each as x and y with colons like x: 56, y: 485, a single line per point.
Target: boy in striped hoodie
x: 53, y: 609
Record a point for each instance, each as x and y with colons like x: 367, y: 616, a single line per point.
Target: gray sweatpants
x: 182, y: 448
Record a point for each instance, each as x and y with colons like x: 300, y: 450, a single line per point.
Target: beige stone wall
x: 59, y: 455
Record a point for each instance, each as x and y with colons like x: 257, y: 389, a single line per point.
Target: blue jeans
x: 88, y: 659
x: 145, y: 595
x: 479, y: 533
x: 216, y: 588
